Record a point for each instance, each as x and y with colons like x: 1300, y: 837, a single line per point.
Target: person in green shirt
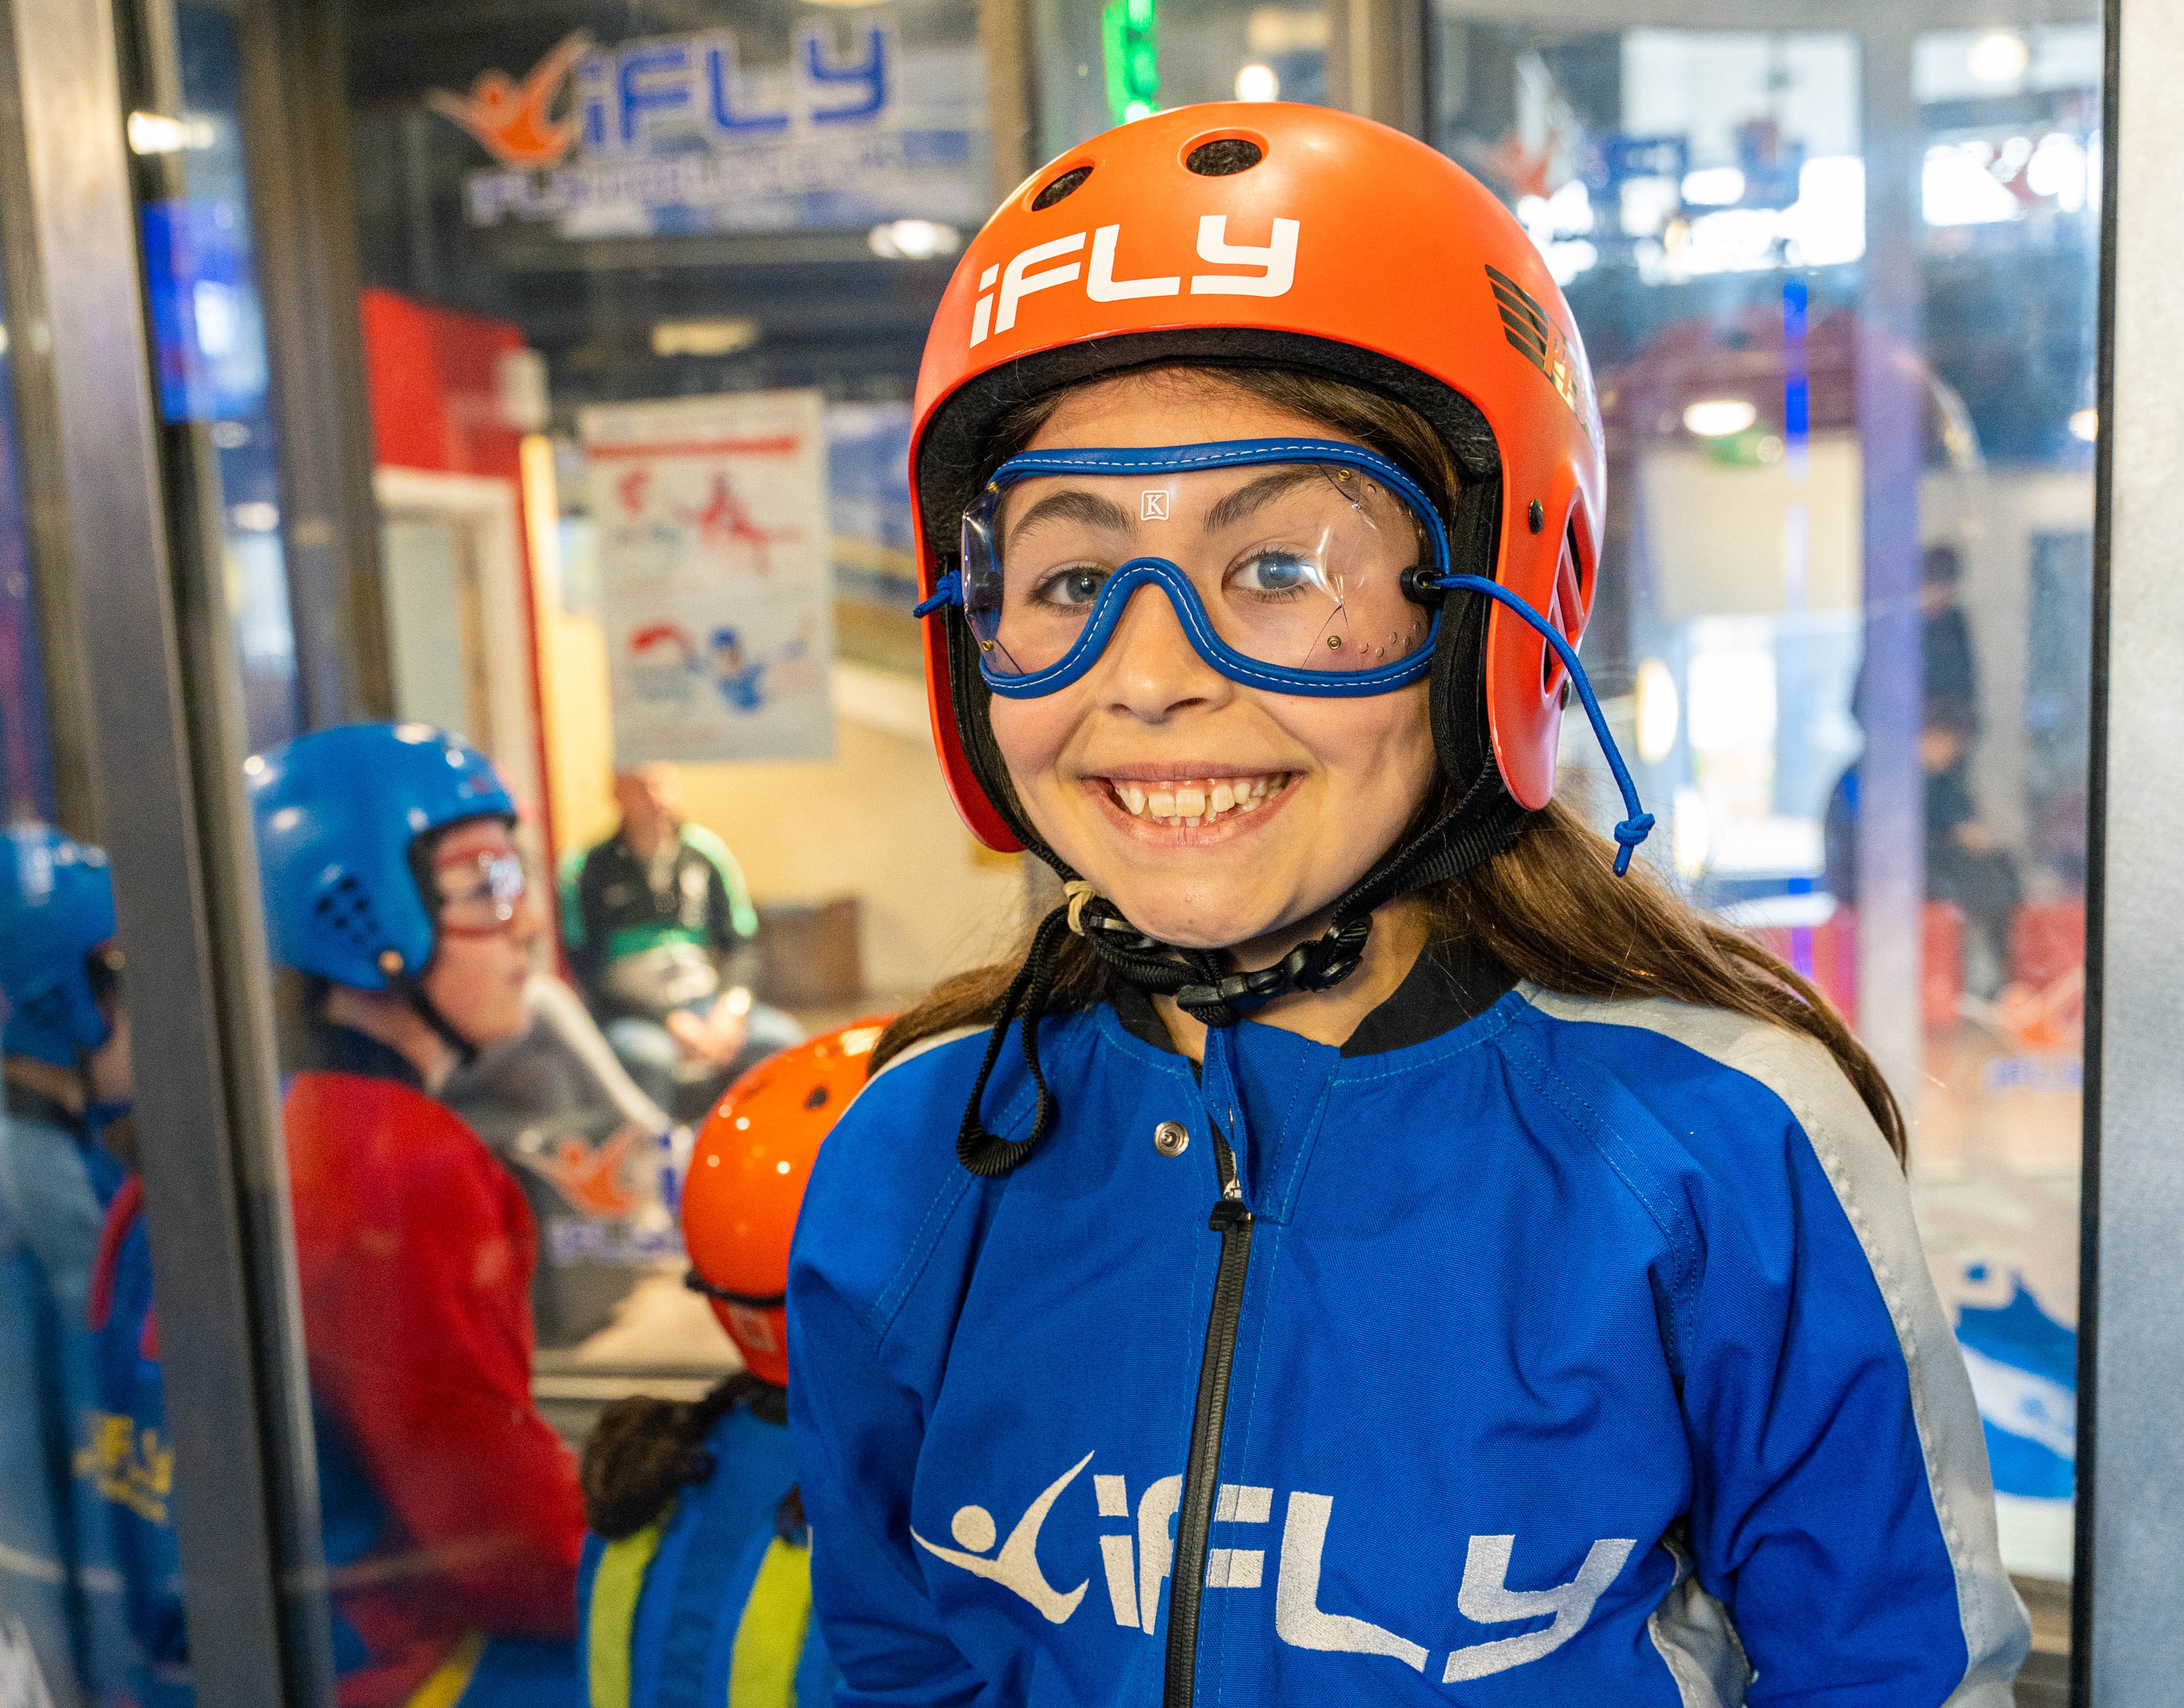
x: 662, y: 938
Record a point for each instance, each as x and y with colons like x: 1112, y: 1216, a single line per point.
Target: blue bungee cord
x: 1639, y: 824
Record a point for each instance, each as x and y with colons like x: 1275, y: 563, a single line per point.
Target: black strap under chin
x: 428, y: 1011
x: 1478, y: 826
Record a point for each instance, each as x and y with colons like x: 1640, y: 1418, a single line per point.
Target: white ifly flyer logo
x: 1137, y: 1561
x: 1273, y: 264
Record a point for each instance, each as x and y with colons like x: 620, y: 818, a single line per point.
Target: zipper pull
x: 1230, y: 1213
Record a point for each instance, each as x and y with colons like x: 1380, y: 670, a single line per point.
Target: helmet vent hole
x: 1223, y: 156
x: 345, y: 909
x: 1066, y: 184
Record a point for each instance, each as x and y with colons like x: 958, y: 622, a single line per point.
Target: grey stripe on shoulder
x: 938, y: 1040
x: 1869, y: 1186
x: 910, y: 1053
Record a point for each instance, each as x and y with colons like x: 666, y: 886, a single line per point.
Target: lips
x: 1191, y: 803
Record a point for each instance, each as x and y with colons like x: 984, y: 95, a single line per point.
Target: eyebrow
x: 1254, y: 494
x: 1087, y: 507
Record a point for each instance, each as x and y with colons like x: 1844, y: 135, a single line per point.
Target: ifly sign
x: 721, y: 130
x: 633, y: 98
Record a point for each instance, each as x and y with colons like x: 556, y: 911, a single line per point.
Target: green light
x: 1129, y: 34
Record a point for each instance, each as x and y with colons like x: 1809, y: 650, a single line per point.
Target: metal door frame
x: 2129, y: 1645
x: 138, y: 635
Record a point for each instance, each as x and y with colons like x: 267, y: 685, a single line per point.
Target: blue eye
x: 1072, y: 590
x: 1276, y: 572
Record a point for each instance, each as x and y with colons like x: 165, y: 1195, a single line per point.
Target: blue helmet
x: 56, y: 908
x: 336, y: 812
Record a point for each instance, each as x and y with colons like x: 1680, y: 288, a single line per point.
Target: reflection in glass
x: 1104, y: 64
x: 87, y: 1545
x: 1703, y: 196
x: 208, y: 338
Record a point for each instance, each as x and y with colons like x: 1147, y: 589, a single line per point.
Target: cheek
x: 1033, y: 735
x: 1371, y: 748
x: 469, y: 972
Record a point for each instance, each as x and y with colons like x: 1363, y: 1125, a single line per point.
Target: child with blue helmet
x: 65, y: 1057
x: 451, y: 1513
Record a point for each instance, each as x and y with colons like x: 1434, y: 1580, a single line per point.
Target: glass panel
x: 1713, y: 202
x: 209, y: 332
x: 1102, y: 64
x: 85, y: 1468
x: 645, y: 295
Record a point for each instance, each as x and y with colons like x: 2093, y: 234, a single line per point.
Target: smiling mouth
x: 1192, y: 801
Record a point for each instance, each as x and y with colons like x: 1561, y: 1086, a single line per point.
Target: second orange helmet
x: 748, y: 1173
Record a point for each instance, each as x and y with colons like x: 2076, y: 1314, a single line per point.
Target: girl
x: 1385, y: 1255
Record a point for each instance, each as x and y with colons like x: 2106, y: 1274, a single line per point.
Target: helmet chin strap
x: 1485, y: 820
x: 443, y: 1029
x: 1479, y: 825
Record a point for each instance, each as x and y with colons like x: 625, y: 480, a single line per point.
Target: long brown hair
x: 1549, y: 906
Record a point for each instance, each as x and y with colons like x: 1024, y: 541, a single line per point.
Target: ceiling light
x: 2000, y: 57
x: 1258, y: 83
x: 2085, y: 424
x: 913, y: 240
x: 722, y: 337
x: 1719, y: 417
x: 156, y: 133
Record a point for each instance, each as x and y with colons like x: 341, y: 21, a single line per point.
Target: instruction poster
x: 710, y: 515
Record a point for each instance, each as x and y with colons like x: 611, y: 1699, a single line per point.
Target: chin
x: 1215, y: 927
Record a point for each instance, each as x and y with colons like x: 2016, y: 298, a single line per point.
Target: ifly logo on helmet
x: 1027, y: 272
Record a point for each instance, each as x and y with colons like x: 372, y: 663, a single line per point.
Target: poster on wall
x: 714, y: 575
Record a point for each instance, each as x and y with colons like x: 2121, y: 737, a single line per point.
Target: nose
x: 1150, y: 670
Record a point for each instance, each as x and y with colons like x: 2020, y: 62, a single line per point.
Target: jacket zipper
x: 1232, y: 1220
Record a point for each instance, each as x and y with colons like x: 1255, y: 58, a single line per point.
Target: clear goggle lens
x: 1296, y: 565
x: 481, y: 895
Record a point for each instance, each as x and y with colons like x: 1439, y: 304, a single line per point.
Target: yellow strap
x: 452, y: 1676
x: 770, y: 1635
x: 616, y: 1587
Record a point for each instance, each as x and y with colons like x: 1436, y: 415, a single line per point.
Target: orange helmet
x: 746, y: 1183
x: 1273, y: 234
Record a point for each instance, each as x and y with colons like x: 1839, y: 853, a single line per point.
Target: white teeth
x: 1192, y: 804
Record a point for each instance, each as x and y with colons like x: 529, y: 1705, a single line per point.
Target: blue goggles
x: 1289, y: 563
x: 1296, y: 566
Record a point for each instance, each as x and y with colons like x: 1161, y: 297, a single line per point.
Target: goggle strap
x: 1638, y: 823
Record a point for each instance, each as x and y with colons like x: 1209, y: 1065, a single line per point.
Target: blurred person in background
x: 696, y: 1582
x: 64, y: 1053
x: 451, y: 1513
x: 1966, y: 862
x: 662, y: 936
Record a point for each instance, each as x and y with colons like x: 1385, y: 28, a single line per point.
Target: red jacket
x: 451, y: 1503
